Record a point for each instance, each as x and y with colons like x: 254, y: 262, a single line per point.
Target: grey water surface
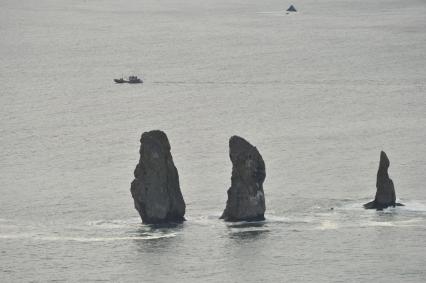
x: 319, y: 92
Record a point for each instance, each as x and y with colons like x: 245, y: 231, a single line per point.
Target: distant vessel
x: 131, y: 80
x: 291, y: 9
x: 119, y: 81
x: 134, y: 80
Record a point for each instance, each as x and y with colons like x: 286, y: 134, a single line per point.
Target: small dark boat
x: 131, y: 80
x: 119, y: 81
x: 134, y: 80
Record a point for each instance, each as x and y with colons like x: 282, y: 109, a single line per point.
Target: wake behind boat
x: 130, y: 80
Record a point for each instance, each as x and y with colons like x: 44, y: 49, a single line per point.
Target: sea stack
x: 246, y: 200
x: 385, y: 194
x: 155, y: 189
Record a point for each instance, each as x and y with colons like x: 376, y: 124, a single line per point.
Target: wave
x: 288, y: 219
x: 398, y: 223
x: 214, y: 219
x: 114, y: 224
x: 359, y: 223
x: 83, y: 238
x: 327, y: 225
x: 345, y: 214
x: 414, y: 206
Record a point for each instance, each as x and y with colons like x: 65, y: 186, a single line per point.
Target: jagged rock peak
x: 385, y: 194
x: 155, y: 189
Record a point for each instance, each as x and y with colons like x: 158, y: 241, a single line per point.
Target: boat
x: 131, y: 80
x: 134, y: 80
x: 119, y: 81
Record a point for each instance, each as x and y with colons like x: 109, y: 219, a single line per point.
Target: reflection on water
x: 158, y: 238
x: 162, y: 227
x: 247, y: 224
x: 248, y: 235
x: 247, y: 230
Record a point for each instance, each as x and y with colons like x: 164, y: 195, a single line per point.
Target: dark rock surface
x: 155, y: 189
x: 246, y: 200
x: 385, y: 194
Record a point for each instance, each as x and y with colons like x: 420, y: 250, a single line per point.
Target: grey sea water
x: 319, y: 92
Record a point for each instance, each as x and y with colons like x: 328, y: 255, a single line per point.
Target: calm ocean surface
x: 319, y: 92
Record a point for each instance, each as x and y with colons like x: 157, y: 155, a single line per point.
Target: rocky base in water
x: 246, y: 199
x: 155, y: 189
x: 374, y: 205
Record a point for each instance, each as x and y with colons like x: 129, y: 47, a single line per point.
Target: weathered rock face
x: 385, y: 194
x: 246, y: 200
x: 155, y: 189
